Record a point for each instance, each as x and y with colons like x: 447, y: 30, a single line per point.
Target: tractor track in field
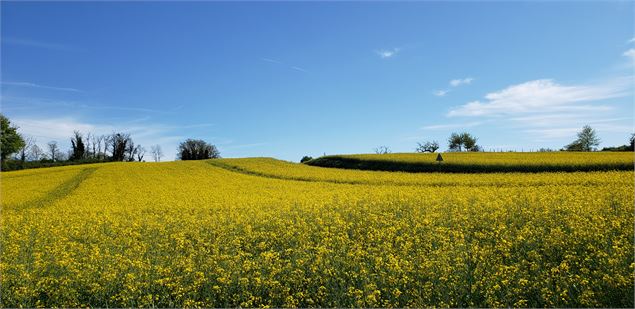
x: 57, y: 193
x: 244, y: 171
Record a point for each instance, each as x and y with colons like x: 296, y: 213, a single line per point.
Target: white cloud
x: 453, y: 125
x: 545, y: 134
x: 387, y: 53
x: 630, y: 53
x: 543, y: 95
x: 299, y: 69
x: 32, y: 85
x: 461, y: 81
x: 441, y: 93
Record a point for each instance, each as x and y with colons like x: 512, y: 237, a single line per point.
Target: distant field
x: 483, y: 162
x: 262, y: 232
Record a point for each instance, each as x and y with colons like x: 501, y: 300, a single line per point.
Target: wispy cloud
x: 452, y: 126
x: 454, y: 83
x: 387, y: 53
x: 36, y: 44
x: 630, y: 53
x: 461, y: 81
x: 33, y: 85
x: 441, y: 93
x: 25, y: 103
x: 542, y: 95
x: 293, y: 67
x: 546, y: 134
x: 299, y: 69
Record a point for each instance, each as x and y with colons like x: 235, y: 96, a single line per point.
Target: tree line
x: 18, y: 152
x: 586, y: 140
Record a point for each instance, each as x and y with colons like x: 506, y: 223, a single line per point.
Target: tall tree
x: 587, y: 140
x: 36, y: 153
x: 78, y: 150
x: 458, y: 142
x: 469, y: 141
x: 455, y: 142
x: 10, y: 139
x: 54, y: 150
x: 118, y: 145
x: 23, y: 154
x: 140, y: 151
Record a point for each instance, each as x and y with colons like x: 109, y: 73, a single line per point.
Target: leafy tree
x: 78, y: 148
x: 455, y: 142
x: 458, y: 142
x: 10, y: 139
x: 306, y: 158
x: 118, y: 143
x: 587, y: 140
x: 469, y: 142
x: 428, y: 147
x: 196, y: 149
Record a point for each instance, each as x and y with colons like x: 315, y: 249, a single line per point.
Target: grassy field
x: 263, y: 232
x: 483, y: 162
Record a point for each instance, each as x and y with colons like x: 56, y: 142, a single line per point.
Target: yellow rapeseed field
x: 267, y: 233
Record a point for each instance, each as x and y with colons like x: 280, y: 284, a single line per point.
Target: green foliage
x: 458, y: 142
x: 587, y: 140
x: 305, y: 159
x: 78, y: 147
x: 196, y: 149
x: 474, y: 163
x: 10, y: 140
x: 14, y: 165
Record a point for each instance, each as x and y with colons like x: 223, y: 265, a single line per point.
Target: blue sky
x: 292, y: 79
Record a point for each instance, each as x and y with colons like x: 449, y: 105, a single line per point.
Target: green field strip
x: 244, y: 171
x: 57, y: 193
x: 353, y: 163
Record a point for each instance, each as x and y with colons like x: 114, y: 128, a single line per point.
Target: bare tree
x: 140, y: 151
x: 54, y: 150
x: 29, y: 142
x: 382, y: 150
x: 157, y: 153
x: 99, y: 140
x: 36, y: 153
x: 87, y: 141
x: 428, y: 147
